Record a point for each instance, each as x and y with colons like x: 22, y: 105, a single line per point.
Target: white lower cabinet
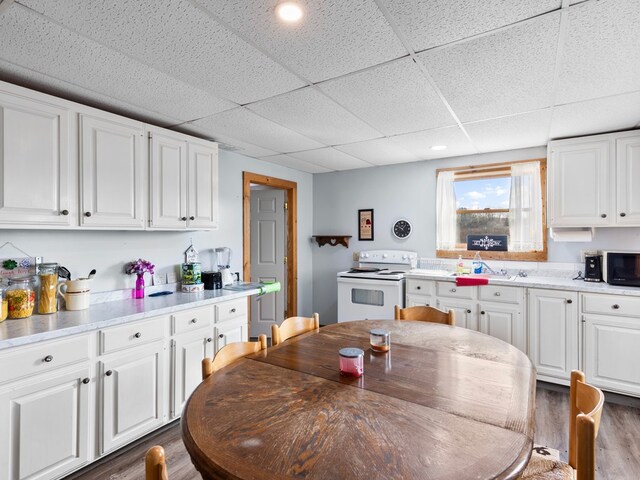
x: 466, y: 311
x: 505, y: 322
x: 231, y: 331
x: 132, y: 392
x: 188, y: 352
x: 553, y: 332
x: 44, y: 423
x: 420, y: 301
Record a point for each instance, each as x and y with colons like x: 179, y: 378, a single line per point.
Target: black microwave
x: 621, y: 268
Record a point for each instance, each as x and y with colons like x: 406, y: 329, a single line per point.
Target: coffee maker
x: 593, y: 268
x: 223, y: 260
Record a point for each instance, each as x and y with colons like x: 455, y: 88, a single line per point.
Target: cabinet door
x: 188, y: 352
x: 504, y: 322
x: 612, y: 353
x: 111, y: 173
x: 466, y: 311
x: 168, y: 181
x: 230, y: 332
x: 44, y: 424
x: 628, y: 179
x: 203, y: 186
x: 420, y: 300
x: 553, y: 332
x: 579, y: 185
x: 132, y: 394
x: 37, y: 171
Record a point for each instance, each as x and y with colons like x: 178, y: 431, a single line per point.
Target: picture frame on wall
x: 365, y: 225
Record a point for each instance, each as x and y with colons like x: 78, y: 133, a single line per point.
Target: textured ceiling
x: 356, y: 84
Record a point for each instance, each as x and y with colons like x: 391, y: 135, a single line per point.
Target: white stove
x: 371, y: 289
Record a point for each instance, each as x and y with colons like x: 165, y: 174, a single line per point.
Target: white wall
x: 108, y: 251
x: 407, y: 191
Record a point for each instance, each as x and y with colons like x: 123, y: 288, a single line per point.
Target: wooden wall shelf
x: 333, y: 240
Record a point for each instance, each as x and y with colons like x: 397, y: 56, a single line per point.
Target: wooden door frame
x: 291, y: 189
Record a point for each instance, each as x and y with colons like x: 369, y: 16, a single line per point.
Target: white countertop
x: 550, y: 283
x: 38, y: 328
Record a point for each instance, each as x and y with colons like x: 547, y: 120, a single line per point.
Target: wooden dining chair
x: 426, y: 314
x: 230, y: 353
x: 154, y: 464
x: 292, y: 327
x: 586, y: 404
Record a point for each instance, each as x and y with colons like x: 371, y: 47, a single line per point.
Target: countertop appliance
x: 223, y: 259
x: 593, y: 268
x: 371, y: 289
x: 621, y: 268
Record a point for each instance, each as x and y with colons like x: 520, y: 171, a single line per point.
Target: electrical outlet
x: 172, y: 277
x: 159, y: 278
x: 356, y: 256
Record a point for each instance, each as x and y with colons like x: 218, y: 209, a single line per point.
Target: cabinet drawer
x: 500, y: 294
x: 191, y: 320
x: 420, y: 300
x: 132, y: 335
x: 449, y: 289
x: 231, y: 309
x: 611, y: 305
x: 420, y: 287
x: 27, y: 361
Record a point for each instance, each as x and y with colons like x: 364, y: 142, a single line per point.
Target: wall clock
x: 402, y: 229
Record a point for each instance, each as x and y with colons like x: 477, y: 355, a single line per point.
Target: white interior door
x: 267, y: 257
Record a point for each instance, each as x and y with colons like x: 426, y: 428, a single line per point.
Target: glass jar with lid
x: 5, y: 305
x: 351, y: 362
x: 380, y: 340
x: 48, y: 289
x: 21, y: 297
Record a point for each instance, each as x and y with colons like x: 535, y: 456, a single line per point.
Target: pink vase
x: 139, y: 290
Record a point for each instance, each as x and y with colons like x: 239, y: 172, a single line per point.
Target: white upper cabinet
x: 184, y: 181
x: 593, y: 181
x: 111, y: 172
x: 579, y: 185
x: 628, y: 185
x: 36, y: 166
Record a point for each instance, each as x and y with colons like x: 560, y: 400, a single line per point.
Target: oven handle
x: 369, y: 281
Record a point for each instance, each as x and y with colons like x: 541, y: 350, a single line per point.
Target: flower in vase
x: 139, y: 267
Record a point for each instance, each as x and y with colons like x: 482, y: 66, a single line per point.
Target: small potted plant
x: 139, y: 267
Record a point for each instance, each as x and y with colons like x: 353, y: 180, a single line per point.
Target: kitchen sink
x: 497, y: 276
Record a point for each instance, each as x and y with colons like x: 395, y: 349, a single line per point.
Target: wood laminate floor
x: 618, y: 449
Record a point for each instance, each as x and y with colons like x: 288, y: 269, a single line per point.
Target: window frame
x: 497, y: 170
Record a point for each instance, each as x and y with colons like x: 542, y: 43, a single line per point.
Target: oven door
x: 368, y: 299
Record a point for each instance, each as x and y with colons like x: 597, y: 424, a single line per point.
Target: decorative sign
x: 492, y: 243
x: 365, y: 224
x: 17, y: 267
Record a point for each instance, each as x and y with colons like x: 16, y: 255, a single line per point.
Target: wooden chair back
x: 230, y: 353
x: 586, y: 406
x: 425, y: 314
x: 292, y: 327
x: 154, y: 464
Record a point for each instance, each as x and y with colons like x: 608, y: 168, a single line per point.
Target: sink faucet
x: 502, y: 272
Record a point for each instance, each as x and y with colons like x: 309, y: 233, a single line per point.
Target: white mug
x: 74, y: 286
x: 76, y: 301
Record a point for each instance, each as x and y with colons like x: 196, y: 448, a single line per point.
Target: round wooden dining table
x: 444, y: 403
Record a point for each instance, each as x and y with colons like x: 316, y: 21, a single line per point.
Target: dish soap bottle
x: 477, y: 263
x: 460, y: 265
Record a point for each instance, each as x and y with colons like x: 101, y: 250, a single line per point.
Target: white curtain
x: 447, y: 226
x: 525, y: 208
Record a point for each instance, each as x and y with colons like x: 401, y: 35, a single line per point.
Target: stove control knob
x: 385, y: 255
x: 366, y: 255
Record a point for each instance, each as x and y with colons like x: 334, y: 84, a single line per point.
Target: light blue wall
x: 107, y: 251
x: 406, y: 191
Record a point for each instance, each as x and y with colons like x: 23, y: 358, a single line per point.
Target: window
x: 496, y: 199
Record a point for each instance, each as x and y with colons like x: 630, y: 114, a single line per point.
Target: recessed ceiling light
x: 289, y: 12
x: 438, y: 147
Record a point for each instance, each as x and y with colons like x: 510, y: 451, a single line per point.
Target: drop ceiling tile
x: 394, y: 98
x: 287, y: 161
x: 179, y: 39
x: 333, y: 38
x: 596, y: 116
x: 251, y: 128
x: 381, y: 151
x: 428, y: 23
x: 601, y: 54
x: 508, y: 133
x: 420, y: 143
x: 507, y: 72
x: 331, y: 158
x: 311, y: 113
x: 30, y: 79
x: 31, y: 41
x: 225, y: 142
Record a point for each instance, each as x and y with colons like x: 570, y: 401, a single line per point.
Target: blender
x: 223, y: 257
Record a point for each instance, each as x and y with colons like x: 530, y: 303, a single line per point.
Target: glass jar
x: 380, y: 340
x: 351, y: 362
x: 21, y: 297
x: 5, y: 305
x: 48, y: 294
